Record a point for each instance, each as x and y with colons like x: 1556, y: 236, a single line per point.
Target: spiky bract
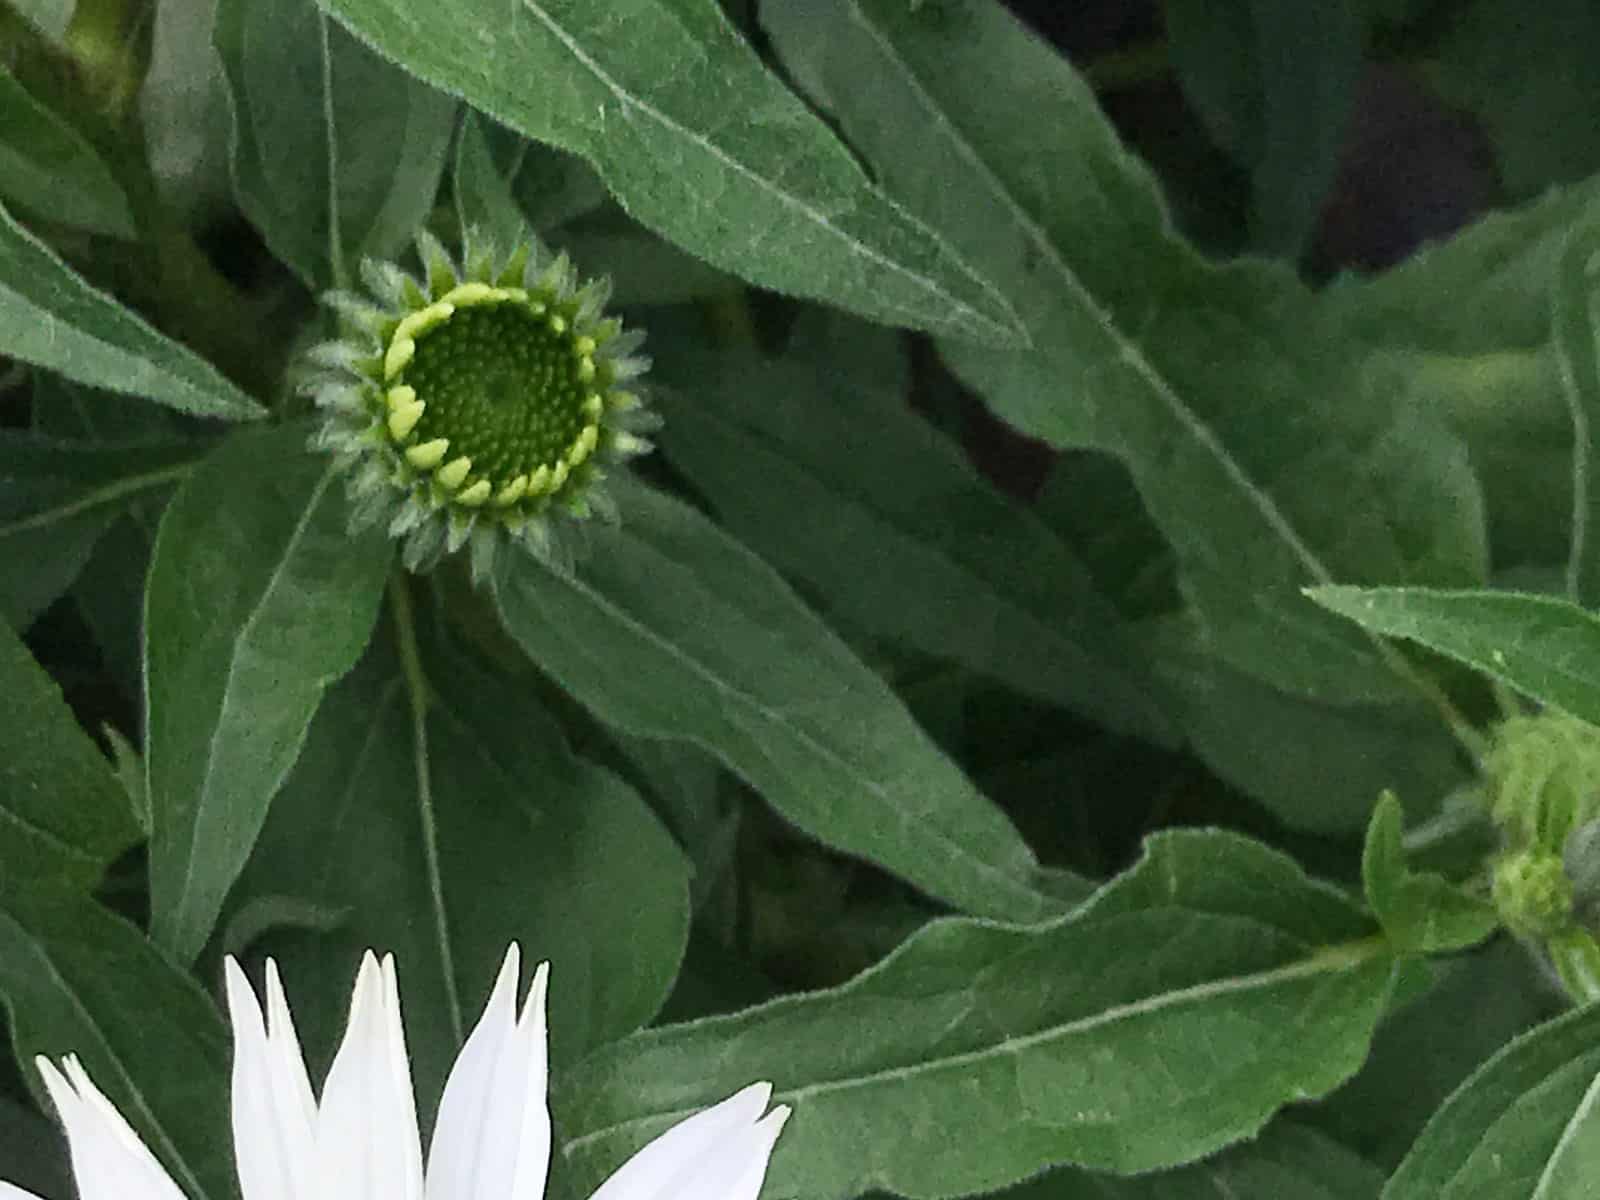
x: 480, y: 404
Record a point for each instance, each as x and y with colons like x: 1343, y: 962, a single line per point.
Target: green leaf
x: 844, y: 487
x: 1170, y: 1016
x: 1499, y: 272
x: 1576, y: 337
x: 183, y: 110
x: 773, y: 197
x: 1318, y: 767
x: 483, y: 198
x: 1425, y: 1050
x: 65, y: 815
x: 336, y: 155
x: 48, y: 170
x: 1545, y: 647
x: 1421, y: 913
x: 73, y: 977
x: 1488, y: 363
x: 642, y: 268
x: 1234, y: 420
x: 1287, y: 1162
x: 32, y: 1153
x: 1541, y: 122
x: 50, y: 317
x: 670, y: 629
x: 1525, y: 1124
x: 531, y: 843
x: 1275, y: 85
x: 49, y: 17
x: 58, y: 497
x: 257, y: 600
x: 78, y: 980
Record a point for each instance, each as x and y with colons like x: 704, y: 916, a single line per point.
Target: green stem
x: 417, y: 692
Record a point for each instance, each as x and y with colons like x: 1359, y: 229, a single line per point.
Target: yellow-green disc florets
x: 481, y: 404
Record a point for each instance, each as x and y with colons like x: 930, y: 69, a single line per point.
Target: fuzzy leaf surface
x: 47, y: 169
x: 904, y: 538
x: 257, y: 600
x: 57, y: 790
x: 1421, y: 912
x: 77, y: 979
x: 1234, y: 424
x: 51, y: 317
x: 1287, y: 1162
x: 1525, y: 1126
x: 336, y: 154
x: 1540, y: 645
x: 670, y: 629
x: 697, y: 140
x: 1170, y: 1016
x: 74, y: 978
x: 533, y: 843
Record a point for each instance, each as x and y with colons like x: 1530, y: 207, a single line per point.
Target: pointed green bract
x: 484, y: 403
x: 1421, y: 913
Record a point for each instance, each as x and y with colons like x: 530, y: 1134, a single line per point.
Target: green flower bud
x: 483, y: 404
x: 1544, y: 779
x: 1532, y: 893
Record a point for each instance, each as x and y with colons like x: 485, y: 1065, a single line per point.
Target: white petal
x: 671, y: 1165
x: 738, y: 1175
x: 109, y: 1161
x: 274, y: 1116
x: 492, y: 1140
x: 10, y: 1191
x: 367, y: 1140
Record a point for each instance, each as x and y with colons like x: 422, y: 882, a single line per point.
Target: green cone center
x: 502, y: 386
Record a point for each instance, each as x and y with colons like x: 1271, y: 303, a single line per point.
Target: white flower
x: 491, y: 1141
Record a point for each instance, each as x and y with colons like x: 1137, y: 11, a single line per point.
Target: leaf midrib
x: 204, y: 793
x: 948, y: 846
x: 1131, y: 352
x: 1327, y: 961
x: 811, y: 213
x: 1039, y: 627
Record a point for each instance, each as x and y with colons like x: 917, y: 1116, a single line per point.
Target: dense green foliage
x: 1095, y: 694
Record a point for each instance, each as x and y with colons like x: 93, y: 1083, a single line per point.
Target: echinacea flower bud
x: 483, y: 403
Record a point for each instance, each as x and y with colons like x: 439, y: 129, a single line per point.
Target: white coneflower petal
x: 368, y: 1147
x: 274, y: 1115
x: 673, y: 1164
x: 109, y: 1161
x: 492, y: 1141
x: 738, y: 1175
